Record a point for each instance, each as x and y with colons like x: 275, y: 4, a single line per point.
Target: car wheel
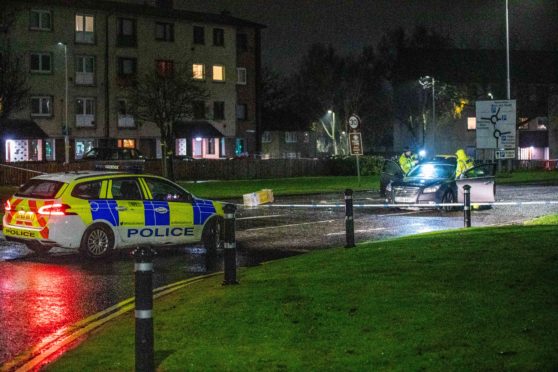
x: 38, y: 248
x: 212, y: 235
x: 97, y: 241
x: 448, y: 198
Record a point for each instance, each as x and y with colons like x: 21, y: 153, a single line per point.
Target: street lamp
x: 429, y: 82
x: 508, y: 81
x: 66, y: 134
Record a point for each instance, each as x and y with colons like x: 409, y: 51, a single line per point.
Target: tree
x: 163, y: 98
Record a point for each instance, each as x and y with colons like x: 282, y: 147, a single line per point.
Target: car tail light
x: 7, y: 206
x: 55, y: 209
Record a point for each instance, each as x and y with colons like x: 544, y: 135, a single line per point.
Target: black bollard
x: 143, y: 270
x: 349, y: 221
x: 467, y: 205
x: 229, y: 245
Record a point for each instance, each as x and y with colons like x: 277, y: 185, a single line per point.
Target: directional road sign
x: 496, y: 125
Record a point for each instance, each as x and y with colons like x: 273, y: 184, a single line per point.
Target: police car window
x: 126, y: 189
x: 40, y: 189
x: 87, y: 190
x: 161, y: 190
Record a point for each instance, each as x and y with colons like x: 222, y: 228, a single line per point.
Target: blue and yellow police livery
x: 97, y: 212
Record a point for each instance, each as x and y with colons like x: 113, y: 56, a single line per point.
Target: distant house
x: 534, y: 84
x: 289, y: 144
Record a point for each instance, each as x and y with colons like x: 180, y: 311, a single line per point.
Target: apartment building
x: 82, y: 55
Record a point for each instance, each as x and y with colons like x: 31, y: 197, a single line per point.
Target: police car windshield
x: 432, y: 171
x: 40, y: 189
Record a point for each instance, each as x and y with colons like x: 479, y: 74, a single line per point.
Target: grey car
x: 434, y: 182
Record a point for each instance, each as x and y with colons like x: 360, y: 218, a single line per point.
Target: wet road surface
x: 39, y: 295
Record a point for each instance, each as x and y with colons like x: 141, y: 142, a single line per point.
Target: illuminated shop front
x: 24, y: 140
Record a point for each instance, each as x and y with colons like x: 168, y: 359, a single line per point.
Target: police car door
x: 127, y: 194
x: 177, y: 224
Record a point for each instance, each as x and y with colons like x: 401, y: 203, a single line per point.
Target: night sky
x: 293, y: 25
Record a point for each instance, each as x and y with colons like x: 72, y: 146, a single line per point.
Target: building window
x: 85, y: 29
x: 242, y: 42
x: 218, y: 37
x: 164, y: 31
x: 82, y: 146
x: 199, y: 35
x: 125, y: 120
x: 164, y: 67
x: 50, y: 149
x: 290, y: 137
x: 210, y: 146
x: 218, y: 73
x: 85, y: 70
x: 85, y: 112
x: 266, y: 137
x: 41, y: 106
x: 218, y: 110
x: 127, y: 67
x: 40, y: 20
x: 126, y: 32
x: 471, y: 123
x: 128, y: 143
x: 198, y: 71
x: 41, y: 62
x: 198, y: 109
x: 241, y: 111
x: 240, y: 147
x: 241, y: 76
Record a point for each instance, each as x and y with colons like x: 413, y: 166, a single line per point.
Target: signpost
x: 496, y: 127
x: 355, y: 141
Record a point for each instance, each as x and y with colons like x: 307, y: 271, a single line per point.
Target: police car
x: 96, y: 212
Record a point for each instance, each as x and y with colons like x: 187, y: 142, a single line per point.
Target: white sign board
x: 505, y: 154
x: 496, y: 125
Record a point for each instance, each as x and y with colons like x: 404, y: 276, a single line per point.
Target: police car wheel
x: 97, y: 241
x: 212, y: 234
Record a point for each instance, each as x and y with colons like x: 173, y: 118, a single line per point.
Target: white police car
x: 96, y: 212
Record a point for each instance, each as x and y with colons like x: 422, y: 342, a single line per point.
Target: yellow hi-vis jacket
x: 463, y: 162
x: 407, y: 162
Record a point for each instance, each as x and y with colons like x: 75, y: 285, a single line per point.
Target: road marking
x: 290, y: 225
x: 257, y: 217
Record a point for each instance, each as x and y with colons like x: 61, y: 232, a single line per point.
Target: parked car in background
x: 433, y: 182
x: 116, y: 158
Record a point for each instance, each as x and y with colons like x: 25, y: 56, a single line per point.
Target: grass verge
x: 475, y: 299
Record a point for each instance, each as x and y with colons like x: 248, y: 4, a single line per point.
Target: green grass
x: 528, y: 176
x: 544, y: 220
x: 475, y: 299
x: 281, y: 186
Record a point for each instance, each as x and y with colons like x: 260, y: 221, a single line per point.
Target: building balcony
x: 85, y: 121
x: 126, y: 121
x: 85, y: 78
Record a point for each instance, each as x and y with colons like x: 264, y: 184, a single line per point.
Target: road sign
x: 355, y: 143
x: 496, y: 125
x: 505, y: 154
x: 354, y: 123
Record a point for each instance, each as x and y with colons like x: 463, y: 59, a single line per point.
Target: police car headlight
x: 431, y: 189
x: 388, y: 187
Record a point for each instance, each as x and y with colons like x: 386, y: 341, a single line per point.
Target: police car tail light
x: 7, y: 206
x: 55, y: 209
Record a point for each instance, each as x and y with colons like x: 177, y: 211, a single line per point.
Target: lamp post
x: 66, y: 134
x: 508, y: 81
x: 429, y: 82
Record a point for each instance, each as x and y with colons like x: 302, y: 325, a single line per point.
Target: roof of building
x: 224, y: 18
x: 195, y: 129
x: 20, y: 129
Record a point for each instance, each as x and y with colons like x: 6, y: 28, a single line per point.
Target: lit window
x: 85, y: 29
x: 218, y: 73
x: 128, y: 143
x: 241, y: 75
x: 40, y: 20
x: 41, y: 106
x: 41, y: 62
x: 471, y: 123
x: 198, y: 71
x: 210, y: 146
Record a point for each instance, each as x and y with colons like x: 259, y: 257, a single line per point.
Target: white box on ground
x: 259, y: 197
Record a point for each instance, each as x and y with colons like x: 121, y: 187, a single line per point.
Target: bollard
x: 229, y: 245
x: 143, y: 270
x: 467, y: 205
x: 349, y: 222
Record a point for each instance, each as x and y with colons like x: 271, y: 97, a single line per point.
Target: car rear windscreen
x: 40, y: 189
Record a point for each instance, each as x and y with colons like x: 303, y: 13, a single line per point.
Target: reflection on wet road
x: 39, y: 296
